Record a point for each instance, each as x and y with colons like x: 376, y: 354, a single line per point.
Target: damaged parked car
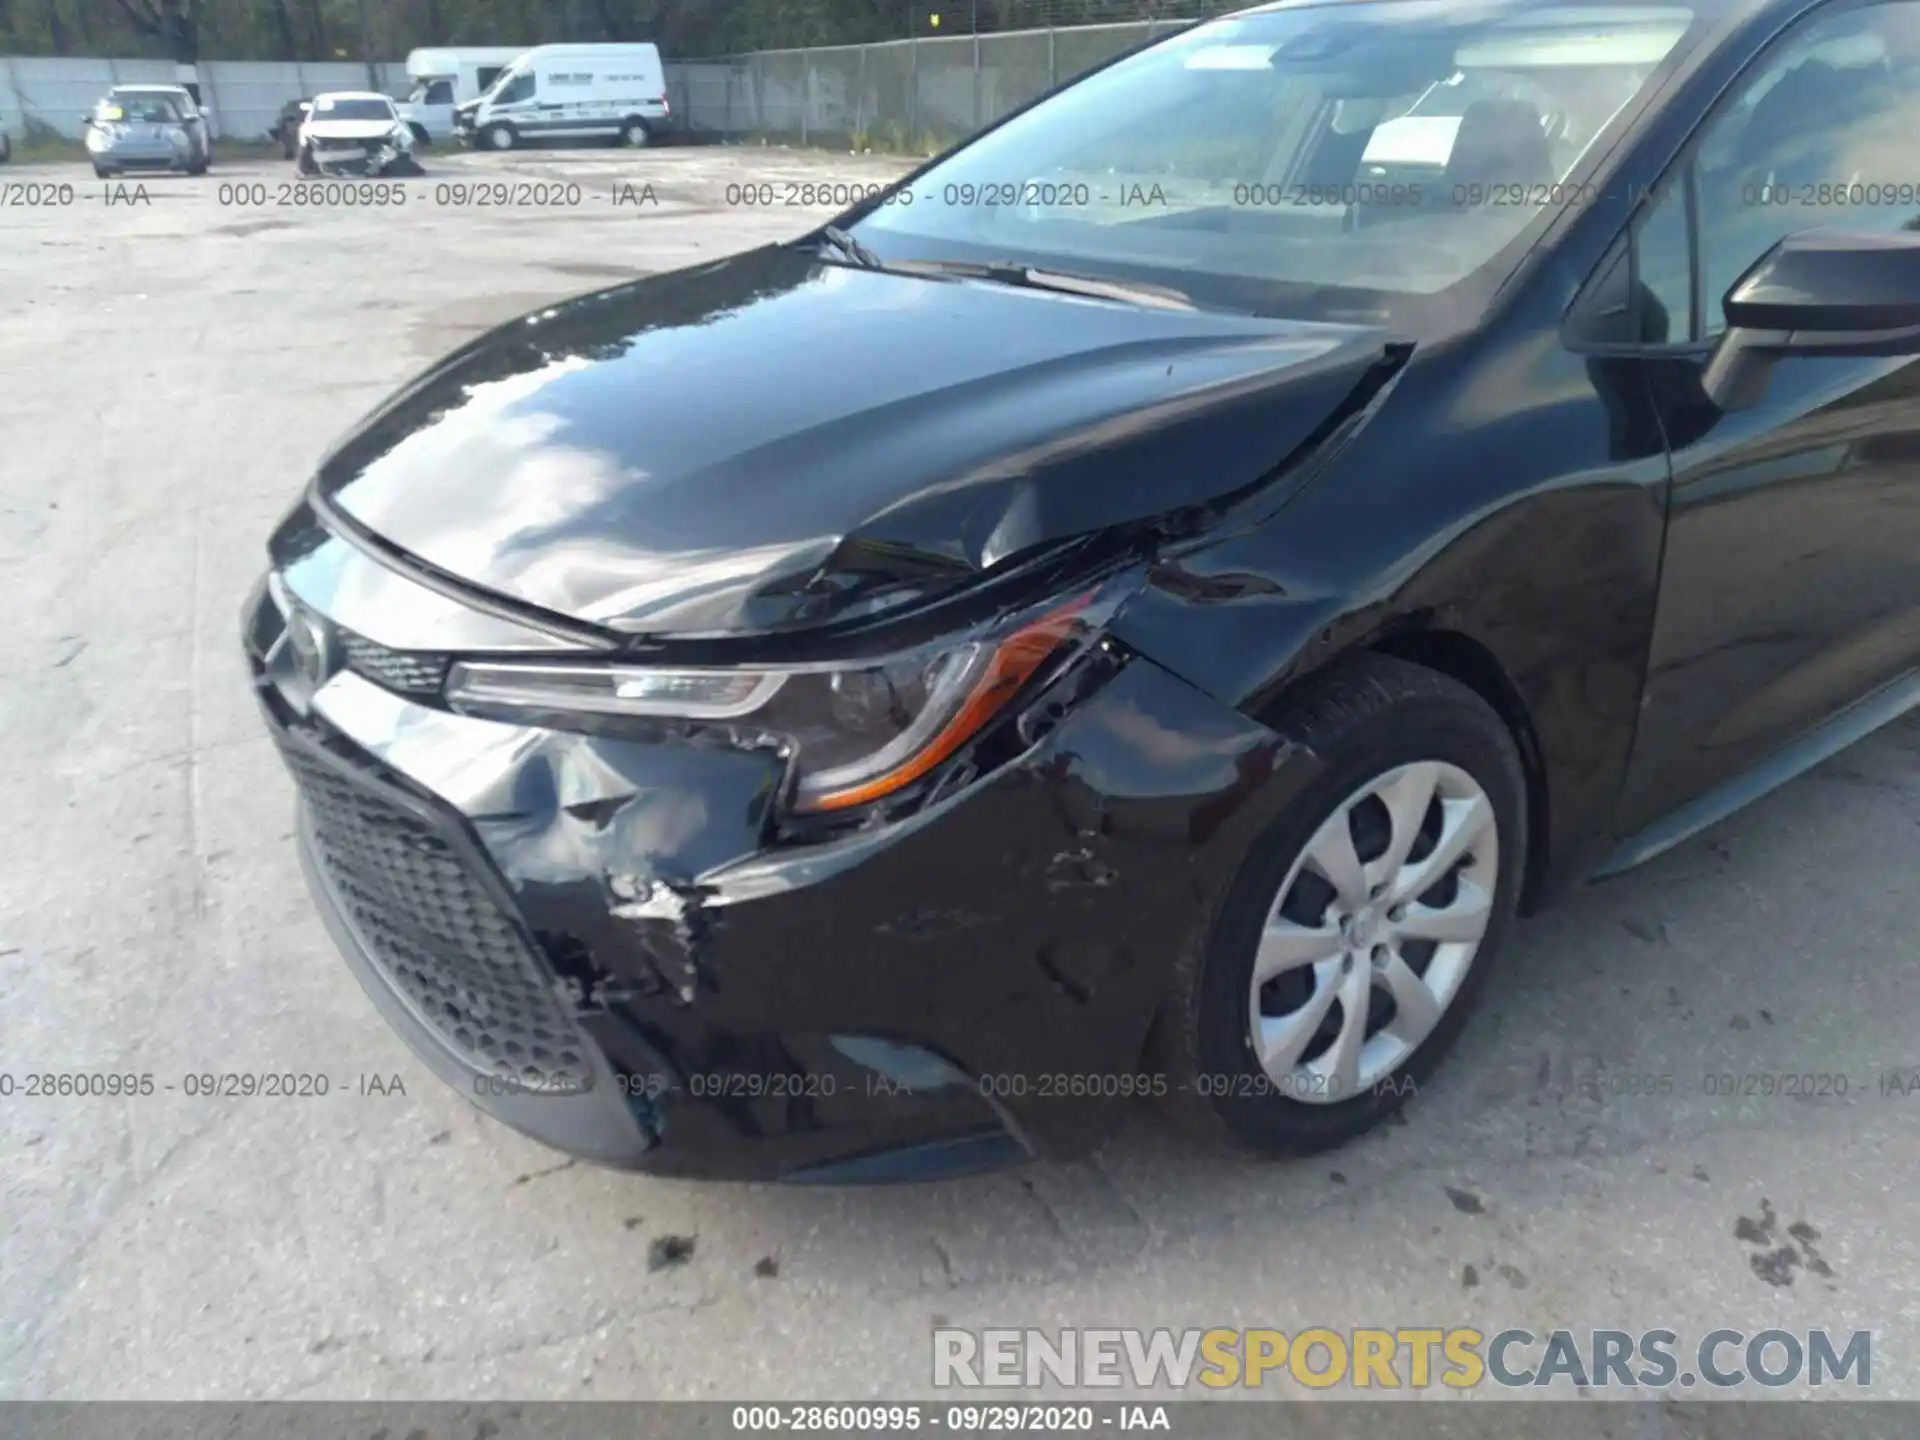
x: 1135, y: 609
x: 350, y: 132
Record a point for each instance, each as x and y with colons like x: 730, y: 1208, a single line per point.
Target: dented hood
x: 770, y: 440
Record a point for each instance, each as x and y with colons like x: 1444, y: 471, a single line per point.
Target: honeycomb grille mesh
x: 441, y: 939
x: 411, y: 673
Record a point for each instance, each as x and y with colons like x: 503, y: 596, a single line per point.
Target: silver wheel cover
x: 1373, y: 931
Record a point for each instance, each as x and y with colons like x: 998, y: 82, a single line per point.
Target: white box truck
x: 572, y: 92
x: 444, y: 79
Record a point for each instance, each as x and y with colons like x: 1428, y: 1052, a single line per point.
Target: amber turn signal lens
x: 1014, y: 662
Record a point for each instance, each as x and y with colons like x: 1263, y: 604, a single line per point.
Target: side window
x: 440, y: 92
x: 1664, y: 270
x: 1821, y: 134
x: 1641, y: 293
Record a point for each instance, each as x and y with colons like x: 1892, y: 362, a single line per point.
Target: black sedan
x: 1134, y: 610
x: 285, y: 130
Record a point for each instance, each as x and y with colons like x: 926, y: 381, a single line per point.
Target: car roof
x: 168, y: 90
x: 351, y: 95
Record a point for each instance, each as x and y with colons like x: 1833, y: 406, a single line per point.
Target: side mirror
x: 1818, y: 292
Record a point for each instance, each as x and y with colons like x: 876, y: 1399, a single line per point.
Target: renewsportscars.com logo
x: 1406, y: 1357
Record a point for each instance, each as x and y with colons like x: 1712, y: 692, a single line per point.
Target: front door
x: 1791, y: 582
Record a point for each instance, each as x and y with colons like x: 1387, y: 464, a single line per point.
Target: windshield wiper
x: 1066, y: 282
x: 1010, y: 272
x: 853, y: 249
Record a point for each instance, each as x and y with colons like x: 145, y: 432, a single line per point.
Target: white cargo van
x: 572, y: 92
x: 445, y: 79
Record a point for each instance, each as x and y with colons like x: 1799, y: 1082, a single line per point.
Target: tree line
x: 191, y: 30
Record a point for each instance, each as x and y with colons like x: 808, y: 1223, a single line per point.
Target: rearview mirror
x: 1819, y: 292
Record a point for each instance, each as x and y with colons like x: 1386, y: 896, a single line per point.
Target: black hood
x: 771, y: 440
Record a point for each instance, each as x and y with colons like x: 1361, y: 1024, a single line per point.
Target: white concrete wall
x: 244, y: 95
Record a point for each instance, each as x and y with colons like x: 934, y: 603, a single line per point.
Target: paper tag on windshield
x: 1232, y: 57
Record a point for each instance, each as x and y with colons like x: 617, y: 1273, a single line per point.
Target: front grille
x: 323, y: 144
x: 431, y: 925
x: 409, y: 672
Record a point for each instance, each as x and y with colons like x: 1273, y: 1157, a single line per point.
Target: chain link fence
x: 922, y: 17
x: 904, y: 96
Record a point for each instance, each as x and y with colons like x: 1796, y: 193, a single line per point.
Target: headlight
x: 853, y: 733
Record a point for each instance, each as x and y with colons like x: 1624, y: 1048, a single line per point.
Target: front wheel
x: 304, y: 163
x: 1362, y: 926
x: 501, y: 137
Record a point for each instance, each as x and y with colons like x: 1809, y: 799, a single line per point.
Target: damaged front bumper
x: 378, y: 162
x: 595, y: 940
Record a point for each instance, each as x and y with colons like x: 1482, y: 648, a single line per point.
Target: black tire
x: 1364, y: 717
x: 420, y: 135
x: 635, y: 133
x: 103, y: 172
x: 501, y: 137
x: 304, y: 163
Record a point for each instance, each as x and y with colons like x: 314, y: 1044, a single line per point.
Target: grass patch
x: 50, y: 147
x: 239, y: 149
x: 46, y: 147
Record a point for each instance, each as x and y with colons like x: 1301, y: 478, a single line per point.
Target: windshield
x: 1347, y: 162
x: 512, y: 87
x: 140, y: 109
x: 504, y: 79
x: 329, y: 107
